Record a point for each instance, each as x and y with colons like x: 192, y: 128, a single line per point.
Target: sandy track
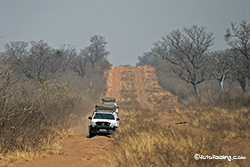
x: 142, y: 96
x: 77, y: 151
x: 114, y: 83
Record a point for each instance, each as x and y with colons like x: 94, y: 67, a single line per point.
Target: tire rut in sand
x: 114, y: 83
x: 142, y: 96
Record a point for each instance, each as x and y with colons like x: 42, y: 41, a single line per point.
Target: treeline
x: 188, y: 55
x: 44, y: 90
x: 38, y: 61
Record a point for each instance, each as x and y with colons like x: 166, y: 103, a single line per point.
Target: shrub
x: 31, y: 114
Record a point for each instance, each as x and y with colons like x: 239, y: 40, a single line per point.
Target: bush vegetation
x: 31, y: 115
x: 35, y: 113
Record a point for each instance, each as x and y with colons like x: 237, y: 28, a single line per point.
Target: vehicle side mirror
x: 90, y: 117
x: 118, y: 119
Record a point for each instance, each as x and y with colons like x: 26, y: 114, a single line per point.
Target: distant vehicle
x: 110, y: 100
x: 104, y: 120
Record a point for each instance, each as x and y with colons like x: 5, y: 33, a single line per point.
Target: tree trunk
x: 243, y: 86
x: 247, y: 87
x: 222, y: 82
x: 196, y: 92
x: 93, y: 66
x: 38, y: 76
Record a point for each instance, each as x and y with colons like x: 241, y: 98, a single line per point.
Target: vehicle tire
x: 91, y: 135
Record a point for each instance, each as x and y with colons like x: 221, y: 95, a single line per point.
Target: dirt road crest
x: 114, y: 83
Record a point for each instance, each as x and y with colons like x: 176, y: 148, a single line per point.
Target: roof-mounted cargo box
x: 108, y: 99
x: 106, y: 107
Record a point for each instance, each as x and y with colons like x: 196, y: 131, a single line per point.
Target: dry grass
x: 50, y: 145
x: 141, y: 142
x: 227, y: 122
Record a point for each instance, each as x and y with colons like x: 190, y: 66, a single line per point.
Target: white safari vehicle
x: 104, y: 120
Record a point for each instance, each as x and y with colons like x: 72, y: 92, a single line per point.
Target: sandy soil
x: 77, y: 151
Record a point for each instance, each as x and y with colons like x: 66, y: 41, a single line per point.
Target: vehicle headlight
x: 113, y: 124
x: 92, y: 123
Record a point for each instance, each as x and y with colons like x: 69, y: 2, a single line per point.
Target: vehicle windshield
x: 103, y: 116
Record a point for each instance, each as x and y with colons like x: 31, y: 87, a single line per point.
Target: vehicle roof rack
x: 105, y: 107
x: 108, y: 99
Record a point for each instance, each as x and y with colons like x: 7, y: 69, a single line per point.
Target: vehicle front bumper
x: 102, y: 129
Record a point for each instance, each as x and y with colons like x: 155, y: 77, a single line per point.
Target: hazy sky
x: 129, y: 26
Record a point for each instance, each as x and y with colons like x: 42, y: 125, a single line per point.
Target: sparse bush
x: 31, y: 114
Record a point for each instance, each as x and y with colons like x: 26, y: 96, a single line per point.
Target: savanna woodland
x: 47, y: 92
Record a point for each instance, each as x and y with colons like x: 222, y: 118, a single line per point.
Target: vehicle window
x: 103, y: 116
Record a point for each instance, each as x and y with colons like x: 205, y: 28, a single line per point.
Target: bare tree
x: 188, y: 51
x: 148, y: 58
x: 40, y: 61
x: 17, y: 55
x: 96, y: 50
x: 40, y: 53
x: 238, y: 38
x: 220, y: 67
x: 78, y: 65
x: 239, y: 69
x: 69, y: 53
x: 54, y: 63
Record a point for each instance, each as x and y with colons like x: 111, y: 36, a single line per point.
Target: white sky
x: 129, y: 26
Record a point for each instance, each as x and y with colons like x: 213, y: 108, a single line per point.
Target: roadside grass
x: 228, y: 122
x: 142, y: 142
x: 48, y: 145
